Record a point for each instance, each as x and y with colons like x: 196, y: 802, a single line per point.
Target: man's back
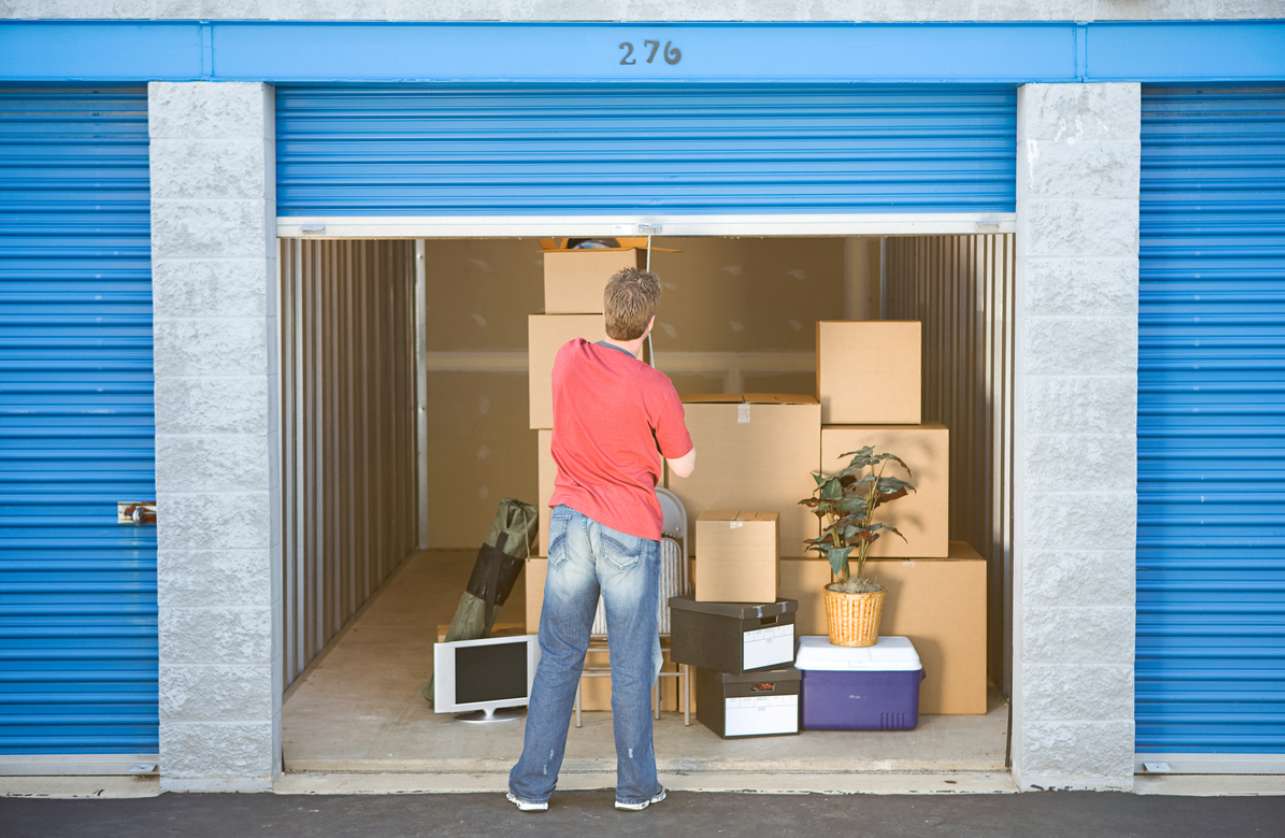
x: 611, y: 413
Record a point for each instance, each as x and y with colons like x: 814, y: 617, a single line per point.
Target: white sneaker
x: 638, y: 807
x: 526, y: 806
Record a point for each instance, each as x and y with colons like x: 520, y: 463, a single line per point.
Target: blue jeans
x: 586, y: 557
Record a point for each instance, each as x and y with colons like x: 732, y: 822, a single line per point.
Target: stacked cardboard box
x: 868, y: 383
x: 736, y: 557
x: 574, y: 281
x: 755, y: 451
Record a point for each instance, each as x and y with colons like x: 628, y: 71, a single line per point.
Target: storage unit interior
x: 404, y: 409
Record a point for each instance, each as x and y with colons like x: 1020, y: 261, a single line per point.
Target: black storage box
x: 763, y: 703
x: 732, y: 636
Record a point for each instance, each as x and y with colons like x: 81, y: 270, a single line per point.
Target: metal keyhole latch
x: 136, y: 512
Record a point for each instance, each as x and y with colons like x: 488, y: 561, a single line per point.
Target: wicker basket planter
x: 853, y: 619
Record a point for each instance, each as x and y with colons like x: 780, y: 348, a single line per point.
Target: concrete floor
x: 359, y: 710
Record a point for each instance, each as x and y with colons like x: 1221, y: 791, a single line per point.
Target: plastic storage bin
x: 732, y: 636
x: 870, y: 688
x: 763, y: 703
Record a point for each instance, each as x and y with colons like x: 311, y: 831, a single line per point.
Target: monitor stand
x: 491, y: 716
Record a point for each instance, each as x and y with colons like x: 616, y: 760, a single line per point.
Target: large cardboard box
x: 736, y: 556
x: 940, y: 604
x: 923, y: 516
x: 546, y: 333
x: 754, y: 451
x: 574, y: 280
x: 868, y: 372
x: 595, y: 692
x: 546, y: 473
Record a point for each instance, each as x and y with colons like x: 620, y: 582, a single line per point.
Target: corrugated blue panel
x: 585, y: 150
x: 77, y: 591
x: 1211, y: 423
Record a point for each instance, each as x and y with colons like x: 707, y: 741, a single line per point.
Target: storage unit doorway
x: 405, y: 410
x: 778, y: 200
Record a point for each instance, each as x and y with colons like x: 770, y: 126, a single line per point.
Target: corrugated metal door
x: 696, y: 149
x: 77, y: 591
x: 1211, y: 429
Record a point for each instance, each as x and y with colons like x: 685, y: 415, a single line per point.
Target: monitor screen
x: 491, y: 672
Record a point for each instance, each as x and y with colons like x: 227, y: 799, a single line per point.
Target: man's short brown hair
x: 630, y: 302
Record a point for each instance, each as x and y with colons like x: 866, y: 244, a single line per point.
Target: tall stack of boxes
x: 574, y: 281
x: 757, y: 452
x: 869, y: 385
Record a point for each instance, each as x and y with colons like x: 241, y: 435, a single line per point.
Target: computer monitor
x: 488, y: 674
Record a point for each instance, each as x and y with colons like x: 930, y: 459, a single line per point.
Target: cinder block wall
x: 218, y: 528
x: 1076, y: 464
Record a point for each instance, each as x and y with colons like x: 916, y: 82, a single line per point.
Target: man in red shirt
x: 613, y: 419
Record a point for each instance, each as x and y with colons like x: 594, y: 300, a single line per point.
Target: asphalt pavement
x: 1043, y: 815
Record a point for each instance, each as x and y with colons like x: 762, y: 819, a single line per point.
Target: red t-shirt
x: 611, y: 412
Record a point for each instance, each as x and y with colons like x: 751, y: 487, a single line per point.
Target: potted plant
x: 845, y: 502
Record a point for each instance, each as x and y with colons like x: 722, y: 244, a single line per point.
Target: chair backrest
x: 675, y: 516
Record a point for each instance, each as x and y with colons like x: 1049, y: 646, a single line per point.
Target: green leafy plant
x: 846, y: 502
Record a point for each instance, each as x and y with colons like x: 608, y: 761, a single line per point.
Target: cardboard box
x: 546, y: 333
x: 547, y: 472
x: 754, y: 451
x: 923, y: 516
x: 595, y: 693
x: 736, y: 555
x: 940, y: 604
x: 574, y: 280
x: 869, y: 372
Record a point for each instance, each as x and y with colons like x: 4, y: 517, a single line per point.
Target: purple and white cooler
x: 866, y: 688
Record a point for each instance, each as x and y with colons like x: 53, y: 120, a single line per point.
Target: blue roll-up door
x: 1211, y: 426
x: 699, y: 149
x: 78, y: 635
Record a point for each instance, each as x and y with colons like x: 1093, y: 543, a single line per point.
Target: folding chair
x: 674, y: 581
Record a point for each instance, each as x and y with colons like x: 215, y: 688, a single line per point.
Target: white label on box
x: 758, y: 715
x: 743, y: 413
x: 735, y: 525
x: 768, y: 646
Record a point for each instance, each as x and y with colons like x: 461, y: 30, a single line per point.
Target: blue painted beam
x: 119, y: 51
x: 1186, y: 52
x: 332, y: 52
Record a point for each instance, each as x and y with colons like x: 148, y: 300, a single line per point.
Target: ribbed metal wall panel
x: 961, y: 289
x: 78, y: 641
x: 349, y: 480
x: 1210, y: 673
x: 694, y: 149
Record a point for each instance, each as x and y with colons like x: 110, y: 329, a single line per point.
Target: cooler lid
x: 736, y: 610
x: 890, y: 654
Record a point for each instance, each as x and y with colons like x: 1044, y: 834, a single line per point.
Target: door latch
x: 136, y: 512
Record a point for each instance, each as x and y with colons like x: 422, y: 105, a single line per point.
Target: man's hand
x: 683, y: 466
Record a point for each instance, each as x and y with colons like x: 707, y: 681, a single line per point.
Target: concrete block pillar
x: 1075, y: 494
x: 214, y: 292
